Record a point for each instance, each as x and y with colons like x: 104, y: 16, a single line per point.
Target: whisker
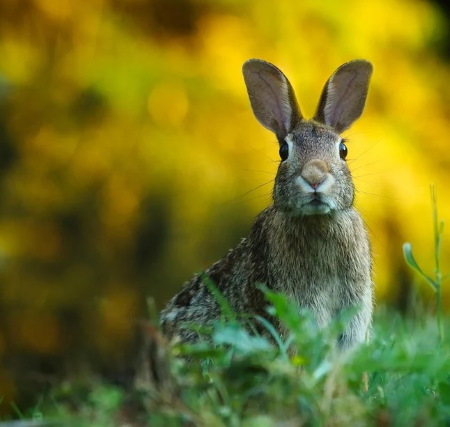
x: 366, y: 165
x: 377, y: 195
x: 363, y: 153
x: 374, y: 236
x: 247, y: 192
x: 272, y: 160
x: 373, y: 173
x: 369, y: 220
x: 351, y: 135
x: 260, y: 196
x: 259, y: 171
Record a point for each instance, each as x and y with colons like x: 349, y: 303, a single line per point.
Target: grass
x: 235, y: 378
x: 239, y: 379
x: 436, y: 281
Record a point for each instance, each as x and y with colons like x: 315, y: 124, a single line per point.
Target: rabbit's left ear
x: 344, y: 95
x: 271, y: 97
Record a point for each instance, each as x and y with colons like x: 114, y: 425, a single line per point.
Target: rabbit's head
x: 313, y: 177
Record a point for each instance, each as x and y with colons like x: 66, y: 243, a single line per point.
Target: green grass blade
x: 225, y: 306
x: 275, y: 335
x: 410, y: 260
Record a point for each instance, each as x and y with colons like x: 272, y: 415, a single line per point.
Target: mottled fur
x: 311, y: 244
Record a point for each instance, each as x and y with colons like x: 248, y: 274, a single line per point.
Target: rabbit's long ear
x: 271, y: 97
x: 344, y: 95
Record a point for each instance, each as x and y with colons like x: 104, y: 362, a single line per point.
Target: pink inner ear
x: 341, y: 97
x: 271, y: 97
x: 277, y: 97
x: 269, y: 93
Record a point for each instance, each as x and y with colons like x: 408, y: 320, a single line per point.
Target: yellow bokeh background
x: 130, y: 158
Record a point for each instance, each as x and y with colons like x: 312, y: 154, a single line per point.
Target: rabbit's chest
x: 314, y: 275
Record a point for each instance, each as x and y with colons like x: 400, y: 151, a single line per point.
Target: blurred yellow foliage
x: 129, y: 153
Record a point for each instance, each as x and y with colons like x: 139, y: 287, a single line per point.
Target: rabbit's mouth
x: 317, y: 201
x: 316, y: 205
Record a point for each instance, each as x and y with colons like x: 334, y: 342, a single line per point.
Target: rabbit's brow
x: 288, y: 138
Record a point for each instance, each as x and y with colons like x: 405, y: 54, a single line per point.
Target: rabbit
x: 311, y: 244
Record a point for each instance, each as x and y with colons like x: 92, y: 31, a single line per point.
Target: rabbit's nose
x: 314, y: 172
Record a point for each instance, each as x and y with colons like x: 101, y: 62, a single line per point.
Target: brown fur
x: 311, y: 244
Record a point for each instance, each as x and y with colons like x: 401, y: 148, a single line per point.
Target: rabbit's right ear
x: 271, y: 97
x: 344, y: 95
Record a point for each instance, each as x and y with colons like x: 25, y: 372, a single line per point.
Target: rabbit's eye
x: 343, y: 151
x: 284, y: 151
